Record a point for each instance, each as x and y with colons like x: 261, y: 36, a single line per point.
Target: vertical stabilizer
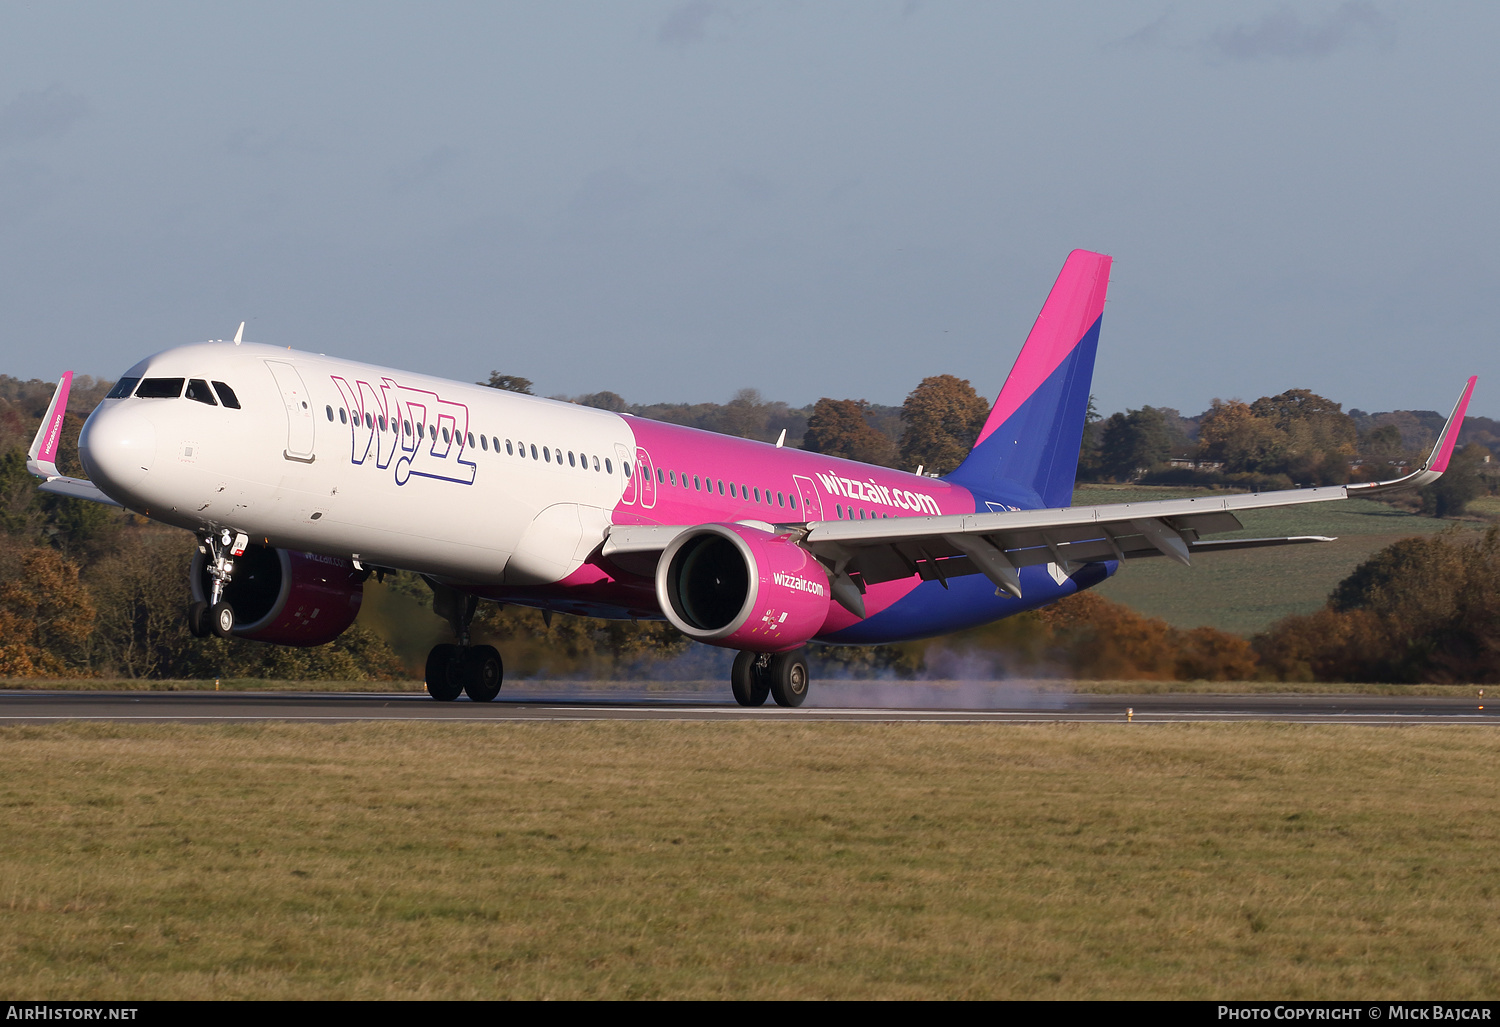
x: 1029, y: 445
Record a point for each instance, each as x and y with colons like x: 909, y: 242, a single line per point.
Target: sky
x: 675, y: 200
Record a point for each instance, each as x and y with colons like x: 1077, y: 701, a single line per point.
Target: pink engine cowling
x: 740, y: 587
x: 287, y: 598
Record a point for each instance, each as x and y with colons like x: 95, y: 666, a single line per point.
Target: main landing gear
x: 782, y: 676
x: 476, y: 670
x: 216, y: 617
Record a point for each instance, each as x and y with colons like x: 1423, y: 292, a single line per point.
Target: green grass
x: 778, y: 860
x: 1245, y: 592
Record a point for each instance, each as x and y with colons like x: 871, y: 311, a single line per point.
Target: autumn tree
x: 509, y: 383
x: 1460, y: 485
x: 941, y: 419
x: 603, y: 401
x: 1232, y: 433
x: 838, y: 427
x: 1422, y: 609
x: 1132, y: 442
x: 46, y: 614
x: 1319, y: 437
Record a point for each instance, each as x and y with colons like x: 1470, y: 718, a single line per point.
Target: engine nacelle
x: 287, y: 598
x: 742, y: 588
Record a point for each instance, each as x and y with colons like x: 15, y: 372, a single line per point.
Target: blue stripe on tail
x: 1031, y: 460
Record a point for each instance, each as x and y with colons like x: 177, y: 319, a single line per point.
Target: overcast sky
x: 675, y: 200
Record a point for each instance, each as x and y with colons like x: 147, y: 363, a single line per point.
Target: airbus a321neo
x: 301, y: 473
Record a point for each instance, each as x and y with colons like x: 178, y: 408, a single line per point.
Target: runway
x: 856, y: 703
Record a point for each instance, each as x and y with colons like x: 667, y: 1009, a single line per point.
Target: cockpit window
x: 198, y: 389
x: 227, y: 396
x: 160, y: 388
x: 123, y: 388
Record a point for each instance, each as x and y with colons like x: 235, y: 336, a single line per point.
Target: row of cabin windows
x: 486, y: 443
x: 516, y: 448
x: 173, y: 388
x: 665, y: 477
x: 839, y: 507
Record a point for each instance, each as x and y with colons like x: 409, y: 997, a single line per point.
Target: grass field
x: 750, y: 860
x: 1245, y: 592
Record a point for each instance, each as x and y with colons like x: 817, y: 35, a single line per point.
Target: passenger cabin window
x: 471, y: 438
x: 572, y: 461
x: 160, y: 388
x: 329, y: 409
x: 124, y: 387
x: 227, y: 396
x: 343, y: 416
x: 509, y: 451
x: 533, y: 451
x: 198, y: 389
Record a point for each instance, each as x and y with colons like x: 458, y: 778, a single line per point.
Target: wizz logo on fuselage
x: 413, y: 431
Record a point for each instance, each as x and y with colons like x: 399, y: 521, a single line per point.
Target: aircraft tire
x: 197, y: 617
x: 221, y: 620
x: 749, y: 686
x: 444, y: 672
x: 483, y: 673
x: 789, y: 678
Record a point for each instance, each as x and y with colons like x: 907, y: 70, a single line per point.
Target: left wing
x: 997, y: 545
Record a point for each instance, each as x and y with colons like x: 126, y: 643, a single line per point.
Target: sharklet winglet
x: 41, y: 459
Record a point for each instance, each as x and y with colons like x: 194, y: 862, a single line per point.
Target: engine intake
x: 740, y: 587
x: 287, y: 598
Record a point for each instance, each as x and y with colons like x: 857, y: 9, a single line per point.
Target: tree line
x: 87, y: 589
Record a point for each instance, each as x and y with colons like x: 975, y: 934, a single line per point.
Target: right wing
x: 41, y: 459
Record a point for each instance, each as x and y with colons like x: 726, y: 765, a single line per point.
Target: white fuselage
x: 293, y: 468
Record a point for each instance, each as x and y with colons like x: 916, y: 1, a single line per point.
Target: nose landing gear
x: 216, y: 617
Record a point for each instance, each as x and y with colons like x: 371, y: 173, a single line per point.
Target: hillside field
x: 1247, y: 591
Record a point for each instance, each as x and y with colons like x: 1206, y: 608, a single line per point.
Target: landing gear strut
x: 782, y: 676
x: 474, y: 669
x: 216, y: 617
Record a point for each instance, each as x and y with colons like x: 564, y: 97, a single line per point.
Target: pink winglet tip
x: 1439, y: 461
x: 53, y: 437
x: 1072, y: 307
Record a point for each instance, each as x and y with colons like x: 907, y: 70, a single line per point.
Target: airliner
x: 302, y: 474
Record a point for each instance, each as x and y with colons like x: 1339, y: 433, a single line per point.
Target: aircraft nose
x: 117, y: 446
